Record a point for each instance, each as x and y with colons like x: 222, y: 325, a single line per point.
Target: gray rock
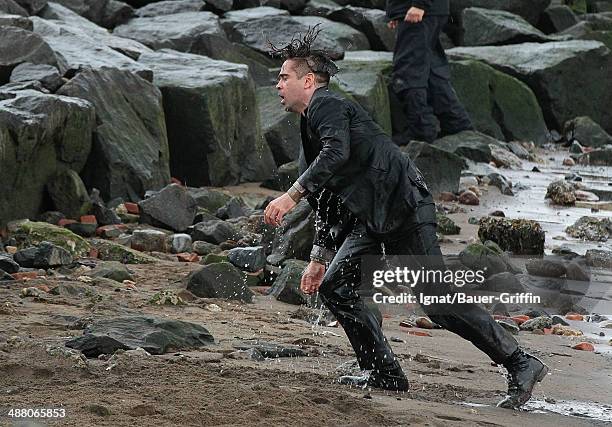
x: 293, y: 239
x: 167, y: 7
x: 83, y: 229
x: 320, y: 7
x: 485, y: 27
x: 112, y: 270
x: 53, y: 134
x: 601, y: 157
x: 180, y: 243
x: 4, y: 276
x: 503, y: 157
x: 32, y: 6
x: 335, y: 39
x: 537, y: 323
x: 531, y: 11
x: 520, y: 236
x: 234, y: 208
x: 172, y: 207
x: 148, y: 241
x: 89, y: 47
x: 446, y: 226
x: 204, y: 248
x: 591, y: 228
x: 209, y: 199
x: 130, y: 153
x: 280, y: 128
x: 545, y: 67
x: 501, y: 182
x: 499, y: 105
x: 440, y: 168
x: 45, y: 255
x: 561, y: 192
x: 215, y: 231
x: 47, y: 75
x: 69, y: 194
x: 10, y: 7
x: 103, y: 214
x: 520, y: 151
x: 8, y: 265
x: 557, y: 18
x: 155, y: 335
x: 586, y: 132
x: 286, y: 287
x: 503, y: 282
x: 106, y: 13
x: 559, y: 320
x: 218, y: 143
x: 284, y: 177
x: 546, y: 267
x: 477, y: 256
x: 219, y: 280
x: 272, y: 350
x: 15, y: 21
x: 577, y: 271
x: 371, y: 22
x: 469, y: 144
x: 19, y: 46
x: 248, y: 258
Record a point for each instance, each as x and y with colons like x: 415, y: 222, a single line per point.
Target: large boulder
x: 12, y: 8
x: 40, y: 136
x: 471, y: 145
x: 485, y: 27
x: 280, y: 128
x: 45, y: 255
x: 520, y: 236
x: 336, y: 38
x: 32, y: 6
x: 557, y: 18
x: 170, y: 7
x: 62, y: 21
x: 284, y: 177
x: 15, y: 21
x: 569, y: 78
x: 82, y: 47
x: 130, y: 149
x: 171, y: 207
x: 371, y: 22
x: 215, y: 231
x: 111, y: 251
x: 364, y: 82
x: 69, y: 194
x: 293, y: 239
x: 29, y: 233
x: 219, y: 280
x: 286, y: 287
x: 152, y: 334
x: 440, y: 168
x: 20, y: 45
x: 591, y: 30
x: 213, y: 141
x: 586, y: 132
x: 106, y: 13
x: 499, y: 105
x: 47, y: 75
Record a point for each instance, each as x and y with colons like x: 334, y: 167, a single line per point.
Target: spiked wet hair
x: 305, y: 58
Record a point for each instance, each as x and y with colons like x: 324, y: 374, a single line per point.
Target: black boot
x: 393, y: 380
x: 524, y: 371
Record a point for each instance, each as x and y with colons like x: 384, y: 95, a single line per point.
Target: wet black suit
x: 366, y: 192
x: 421, y: 75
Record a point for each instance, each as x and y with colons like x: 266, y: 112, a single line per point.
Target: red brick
x: 187, y: 257
x: 132, y: 208
x: 26, y: 275
x: 93, y: 253
x: 584, y: 346
x: 64, y: 221
x: 574, y: 317
x: 520, y: 319
x: 419, y: 333
x: 89, y: 219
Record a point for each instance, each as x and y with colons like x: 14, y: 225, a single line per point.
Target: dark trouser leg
x: 411, y: 67
x: 466, y: 320
x: 339, y: 292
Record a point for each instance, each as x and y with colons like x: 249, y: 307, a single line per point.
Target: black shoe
x: 393, y: 380
x: 524, y: 371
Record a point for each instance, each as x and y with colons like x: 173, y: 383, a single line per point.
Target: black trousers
x: 341, y: 284
x: 421, y: 81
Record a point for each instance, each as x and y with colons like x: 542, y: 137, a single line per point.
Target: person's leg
x: 339, y: 291
x: 466, y: 320
x: 446, y: 106
x: 409, y: 80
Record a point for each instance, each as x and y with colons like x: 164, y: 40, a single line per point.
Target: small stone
x: 111, y: 231
x: 584, y: 346
x: 30, y: 292
x: 180, y: 243
x: 568, y: 162
x: 535, y: 169
x: 537, y: 323
x: 586, y: 196
x: 204, y: 248
x: 473, y: 220
x: 148, y: 241
x: 424, y: 323
x: 99, y: 410
x: 166, y: 297
x: 561, y: 193
x: 500, y: 214
x: 469, y: 198
x: 545, y: 267
x: 565, y: 331
x: 447, y: 196
x: 187, y: 257
x: 558, y: 320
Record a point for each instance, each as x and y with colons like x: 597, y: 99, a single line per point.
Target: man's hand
x: 392, y: 25
x: 312, y: 277
x: 273, y: 215
x: 414, y: 15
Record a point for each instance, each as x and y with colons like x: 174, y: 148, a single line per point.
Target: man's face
x: 291, y: 89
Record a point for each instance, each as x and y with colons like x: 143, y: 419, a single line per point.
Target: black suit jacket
x: 347, y: 160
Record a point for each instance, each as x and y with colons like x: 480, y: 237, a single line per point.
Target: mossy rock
x: 31, y: 233
x: 446, y: 225
x: 111, y: 251
x: 520, y: 236
x: 214, y: 258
